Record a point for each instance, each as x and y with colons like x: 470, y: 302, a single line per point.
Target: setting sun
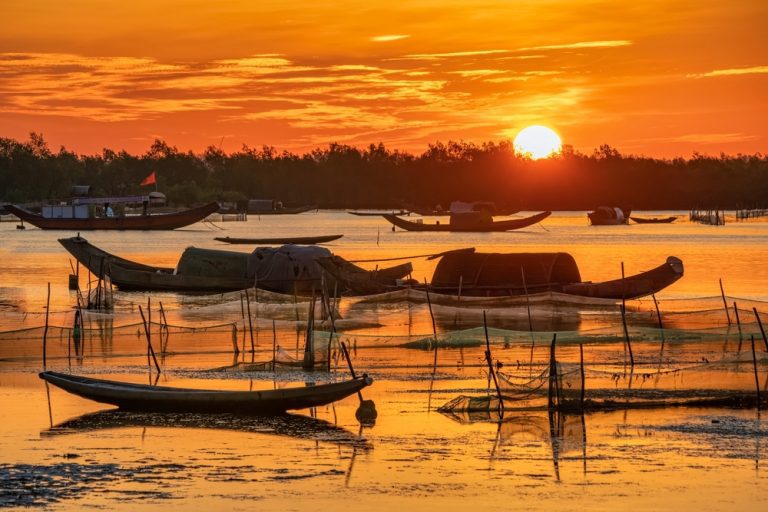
x: 537, y: 142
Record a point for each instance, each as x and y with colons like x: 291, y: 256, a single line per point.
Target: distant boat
x: 298, y: 240
x: 377, y: 214
x: 469, y: 222
x: 273, y: 207
x: 609, y: 216
x: 653, y: 220
x: 142, y: 397
x: 82, y: 217
x: 476, y: 274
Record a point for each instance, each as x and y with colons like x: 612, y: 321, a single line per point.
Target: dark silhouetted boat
x: 146, y: 398
x: 653, y: 220
x: 286, y: 269
x: 81, y: 217
x: 609, y: 216
x: 496, y: 275
x: 469, y: 222
x: 300, y: 240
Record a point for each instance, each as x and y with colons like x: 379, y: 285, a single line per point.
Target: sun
x: 537, y: 142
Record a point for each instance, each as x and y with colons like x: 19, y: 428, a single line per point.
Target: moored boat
x: 80, y: 217
x: 299, y: 240
x: 475, y: 221
x: 653, y: 220
x: 470, y: 273
x: 609, y: 216
x: 142, y: 397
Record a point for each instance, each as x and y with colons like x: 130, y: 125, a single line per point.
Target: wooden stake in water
x: 431, y: 315
x: 250, y: 321
x: 527, y: 302
x: 754, y: 365
x: 738, y: 320
x: 45, y: 331
x: 274, y: 344
x: 551, y: 391
x: 624, y: 318
x: 762, y: 331
x: 461, y: 282
x: 583, y: 375
x: 489, y: 360
x: 149, y: 339
x: 725, y: 303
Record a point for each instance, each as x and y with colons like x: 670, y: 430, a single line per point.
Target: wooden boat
x: 497, y: 275
x: 378, y: 214
x: 469, y: 222
x: 609, y: 216
x: 203, y: 270
x: 142, y: 397
x: 163, y: 221
x: 300, y: 240
x: 653, y: 220
x: 131, y: 275
x: 361, y: 281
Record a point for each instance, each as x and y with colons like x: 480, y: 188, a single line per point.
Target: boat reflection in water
x: 289, y: 425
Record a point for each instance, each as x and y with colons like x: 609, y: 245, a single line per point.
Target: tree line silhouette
x: 342, y: 176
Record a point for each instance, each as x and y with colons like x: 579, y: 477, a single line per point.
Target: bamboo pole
x: 431, y: 315
x: 738, y: 320
x: 658, y: 317
x: 725, y: 303
x: 527, y: 302
x: 489, y: 360
x: 274, y: 344
x: 552, y: 374
x: 624, y: 317
x: 461, y: 282
x: 351, y: 368
x: 149, y: 340
x: 250, y: 321
x: 762, y: 331
x: 754, y: 366
x: 45, y: 331
x: 583, y: 376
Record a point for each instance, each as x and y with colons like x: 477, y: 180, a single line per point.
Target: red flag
x: 149, y: 180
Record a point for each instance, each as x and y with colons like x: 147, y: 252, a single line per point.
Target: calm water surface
x: 59, y: 451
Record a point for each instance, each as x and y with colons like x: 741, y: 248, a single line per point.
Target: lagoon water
x: 61, y: 452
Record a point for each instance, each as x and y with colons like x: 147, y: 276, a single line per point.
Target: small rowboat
x: 653, y: 220
x: 469, y: 223
x: 142, y: 397
x: 297, y: 240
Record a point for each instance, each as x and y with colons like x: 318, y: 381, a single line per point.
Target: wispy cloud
x: 755, y: 70
x: 388, y: 38
x: 578, y: 45
x: 705, y: 138
x: 448, y: 55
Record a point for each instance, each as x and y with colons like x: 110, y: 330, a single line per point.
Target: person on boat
x: 145, y: 208
x: 108, y: 210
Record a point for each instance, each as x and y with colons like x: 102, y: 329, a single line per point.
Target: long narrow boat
x: 211, y: 271
x: 300, y: 240
x: 377, y: 214
x: 142, y: 397
x: 653, y: 220
x: 161, y: 221
x: 473, y: 225
x: 498, y: 275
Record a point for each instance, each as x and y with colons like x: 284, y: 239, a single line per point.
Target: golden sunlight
x: 537, y: 142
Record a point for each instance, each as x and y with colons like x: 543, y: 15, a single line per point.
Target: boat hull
x: 145, y: 398
x: 163, y: 221
x: 298, y: 240
x: 654, y: 220
x: 499, y: 225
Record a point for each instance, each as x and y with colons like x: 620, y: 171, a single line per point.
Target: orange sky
x: 660, y: 78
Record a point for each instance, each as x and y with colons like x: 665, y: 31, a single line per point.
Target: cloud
x: 579, y: 45
x: 388, y: 38
x: 706, y: 138
x: 448, y: 55
x: 755, y: 70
